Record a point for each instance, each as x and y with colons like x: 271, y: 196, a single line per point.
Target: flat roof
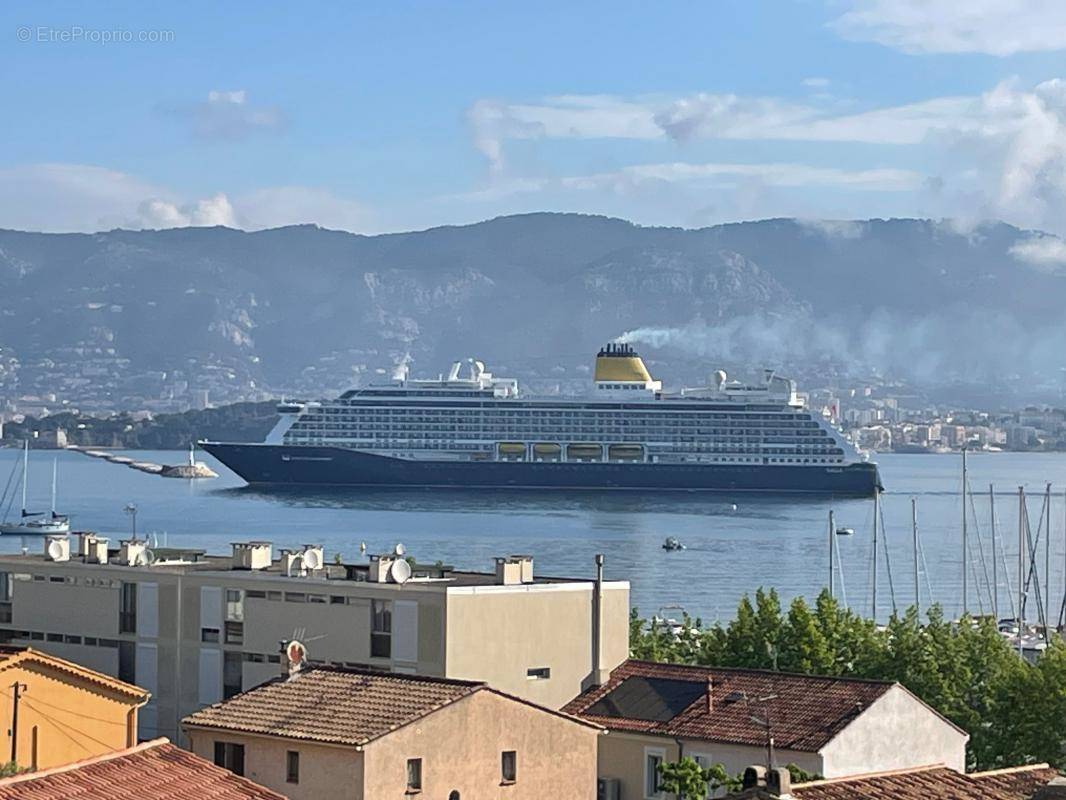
x: 358, y: 573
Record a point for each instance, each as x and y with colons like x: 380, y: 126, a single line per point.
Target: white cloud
x: 816, y: 83
x: 710, y: 116
x: 227, y: 114
x: 723, y: 176
x: 86, y: 198
x: 995, y: 27
x: 1043, y: 252
x: 215, y: 210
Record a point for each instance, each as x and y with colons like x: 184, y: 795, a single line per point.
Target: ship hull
x: 284, y: 465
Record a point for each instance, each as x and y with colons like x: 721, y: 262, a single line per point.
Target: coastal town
x: 290, y: 674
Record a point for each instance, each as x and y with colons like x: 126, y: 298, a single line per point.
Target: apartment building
x: 194, y: 628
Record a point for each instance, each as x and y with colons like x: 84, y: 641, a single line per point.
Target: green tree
x: 689, y: 781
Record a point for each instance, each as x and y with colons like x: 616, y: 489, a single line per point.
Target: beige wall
x: 491, y: 633
x: 326, y: 773
x: 622, y: 756
x: 461, y: 746
x: 73, y: 718
x: 498, y: 633
x: 895, y: 732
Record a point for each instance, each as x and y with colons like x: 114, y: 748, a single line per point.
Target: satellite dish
x: 312, y: 560
x: 400, y: 572
x: 145, y: 557
x: 296, y: 653
x: 400, y: 549
x: 55, y: 550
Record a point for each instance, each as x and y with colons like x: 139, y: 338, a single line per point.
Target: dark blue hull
x: 335, y: 466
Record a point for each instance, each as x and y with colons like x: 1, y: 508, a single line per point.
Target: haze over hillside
x: 297, y: 307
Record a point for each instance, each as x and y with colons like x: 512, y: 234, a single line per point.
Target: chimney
x: 598, y: 676
x: 755, y: 776
x: 710, y: 694
x: 779, y: 782
x: 514, y: 570
x: 251, y: 555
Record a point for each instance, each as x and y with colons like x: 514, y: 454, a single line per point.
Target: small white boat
x: 36, y: 523
x: 845, y: 531
x: 673, y: 543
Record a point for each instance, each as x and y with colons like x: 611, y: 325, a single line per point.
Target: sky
x: 386, y: 116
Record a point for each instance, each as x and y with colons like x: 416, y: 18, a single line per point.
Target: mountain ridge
x: 285, y: 308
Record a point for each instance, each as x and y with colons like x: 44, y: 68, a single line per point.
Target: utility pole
x: 17, y: 690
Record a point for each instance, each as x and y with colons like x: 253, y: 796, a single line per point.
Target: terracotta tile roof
x: 328, y: 704
x: 155, y: 770
x: 14, y: 655
x: 806, y: 711
x: 931, y: 783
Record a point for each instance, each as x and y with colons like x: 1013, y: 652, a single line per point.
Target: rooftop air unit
x: 57, y: 548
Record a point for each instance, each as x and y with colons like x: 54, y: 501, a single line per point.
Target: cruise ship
x: 471, y: 429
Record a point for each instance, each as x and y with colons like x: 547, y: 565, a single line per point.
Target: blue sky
x: 391, y: 116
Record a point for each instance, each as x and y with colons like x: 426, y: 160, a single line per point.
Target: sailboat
x: 36, y: 523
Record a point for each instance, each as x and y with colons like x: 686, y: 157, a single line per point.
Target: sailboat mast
x: 965, y: 559
x: 873, y: 602
x: 1021, y: 566
x: 55, y: 468
x: 914, y: 536
x: 832, y: 545
x: 995, y: 564
x: 1047, y: 559
x: 25, y: 471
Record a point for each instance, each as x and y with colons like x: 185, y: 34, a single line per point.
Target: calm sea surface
x: 730, y: 549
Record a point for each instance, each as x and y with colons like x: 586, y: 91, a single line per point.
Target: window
x: 292, y: 767
x: 652, y: 779
x: 235, y: 605
x: 234, y: 633
x: 381, y: 628
x: 127, y: 670
x: 5, y: 597
x: 127, y: 614
x: 539, y: 673
x: 208, y: 634
x: 414, y: 774
x: 232, y: 672
x: 508, y: 766
x: 230, y: 756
